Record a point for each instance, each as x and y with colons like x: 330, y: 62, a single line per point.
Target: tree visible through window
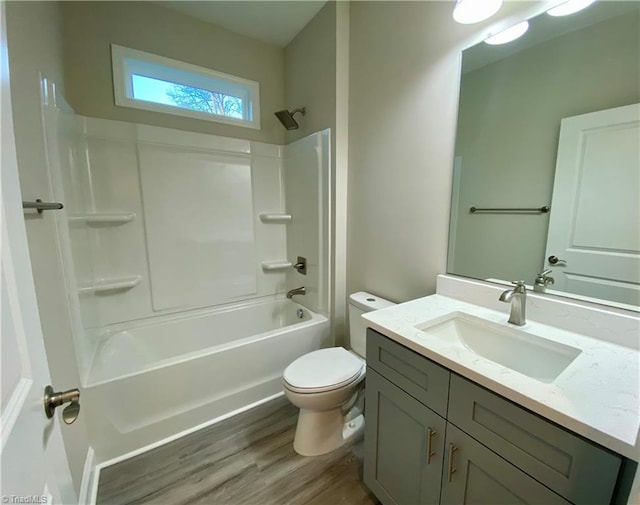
x: 186, y: 97
x: 206, y: 101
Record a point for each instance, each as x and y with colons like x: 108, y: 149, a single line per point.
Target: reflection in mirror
x: 552, y: 119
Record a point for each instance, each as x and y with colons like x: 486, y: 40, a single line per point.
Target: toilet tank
x: 359, y: 303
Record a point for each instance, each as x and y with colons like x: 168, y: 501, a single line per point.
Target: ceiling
x: 274, y: 22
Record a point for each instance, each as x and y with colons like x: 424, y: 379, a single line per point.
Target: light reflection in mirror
x: 513, y: 100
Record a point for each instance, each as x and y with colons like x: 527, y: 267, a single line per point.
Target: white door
x: 593, y: 245
x: 34, y: 465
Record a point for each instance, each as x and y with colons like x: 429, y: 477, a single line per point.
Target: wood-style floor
x: 245, y: 460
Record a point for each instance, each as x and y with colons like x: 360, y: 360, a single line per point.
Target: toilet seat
x: 323, y: 370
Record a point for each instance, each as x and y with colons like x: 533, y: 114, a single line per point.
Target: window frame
x: 126, y: 62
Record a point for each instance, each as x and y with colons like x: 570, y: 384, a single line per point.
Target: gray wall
x: 316, y: 77
x: 90, y: 27
x: 404, y: 74
x: 310, y: 74
x: 510, y: 113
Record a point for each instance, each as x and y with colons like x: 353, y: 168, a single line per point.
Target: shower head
x: 286, y: 118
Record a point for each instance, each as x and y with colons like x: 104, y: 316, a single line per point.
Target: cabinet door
x: 475, y: 475
x: 404, y: 442
x: 579, y: 470
x: 423, y: 379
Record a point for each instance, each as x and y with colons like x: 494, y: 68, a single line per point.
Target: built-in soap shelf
x: 271, y: 266
x: 275, y: 217
x: 112, y: 284
x: 103, y: 218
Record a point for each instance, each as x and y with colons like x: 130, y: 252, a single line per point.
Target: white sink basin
x: 528, y: 354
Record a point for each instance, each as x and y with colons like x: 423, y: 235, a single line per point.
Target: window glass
x: 151, y: 82
x: 187, y: 97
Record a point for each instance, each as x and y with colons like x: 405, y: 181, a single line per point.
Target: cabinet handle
x: 430, y: 453
x: 452, y: 468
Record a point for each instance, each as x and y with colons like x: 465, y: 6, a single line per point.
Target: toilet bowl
x: 325, y: 385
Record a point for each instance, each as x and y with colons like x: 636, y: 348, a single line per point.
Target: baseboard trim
x: 87, y: 496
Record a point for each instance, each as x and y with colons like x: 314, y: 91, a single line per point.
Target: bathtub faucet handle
x: 301, y: 265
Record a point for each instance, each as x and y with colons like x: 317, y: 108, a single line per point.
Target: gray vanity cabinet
x: 474, y: 474
x: 405, y: 445
x: 432, y: 437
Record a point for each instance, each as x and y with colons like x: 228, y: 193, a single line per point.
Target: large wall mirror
x: 547, y: 162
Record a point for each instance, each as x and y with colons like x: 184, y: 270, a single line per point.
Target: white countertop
x: 596, y: 396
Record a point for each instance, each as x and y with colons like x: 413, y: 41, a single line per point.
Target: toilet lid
x: 324, y: 369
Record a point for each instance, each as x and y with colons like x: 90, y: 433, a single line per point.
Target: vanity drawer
x: 573, y: 467
x: 415, y: 374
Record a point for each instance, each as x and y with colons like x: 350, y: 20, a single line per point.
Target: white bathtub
x: 152, y: 381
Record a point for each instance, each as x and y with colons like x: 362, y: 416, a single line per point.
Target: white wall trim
x: 89, y: 480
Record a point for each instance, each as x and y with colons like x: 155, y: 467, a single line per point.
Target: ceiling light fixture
x: 509, y: 34
x: 468, y: 12
x: 569, y: 7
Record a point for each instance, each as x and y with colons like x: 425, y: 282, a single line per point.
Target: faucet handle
x: 520, y: 286
x: 543, y: 279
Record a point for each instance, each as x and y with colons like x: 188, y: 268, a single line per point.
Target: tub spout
x: 296, y: 291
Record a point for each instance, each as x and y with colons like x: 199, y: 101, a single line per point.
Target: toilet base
x: 322, y: 432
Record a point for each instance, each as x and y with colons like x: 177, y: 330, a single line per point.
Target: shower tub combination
x: 150, y: 381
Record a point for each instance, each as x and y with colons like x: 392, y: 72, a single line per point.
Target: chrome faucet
x: 518, y: 299
x: 543, y: 279
x: 296, y: 291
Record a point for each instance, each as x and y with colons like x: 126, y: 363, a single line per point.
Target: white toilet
x: 324, y: 384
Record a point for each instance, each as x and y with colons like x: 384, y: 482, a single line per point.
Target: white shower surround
x: 181, y: 186
x: 186, y: 370
x: 152, y: 372
x: 162, y: 175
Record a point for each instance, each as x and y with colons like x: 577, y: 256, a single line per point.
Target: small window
x: 150, y: 82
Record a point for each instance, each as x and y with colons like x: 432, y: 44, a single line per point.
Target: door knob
x: 53, y: 400
x: 553, y: 260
